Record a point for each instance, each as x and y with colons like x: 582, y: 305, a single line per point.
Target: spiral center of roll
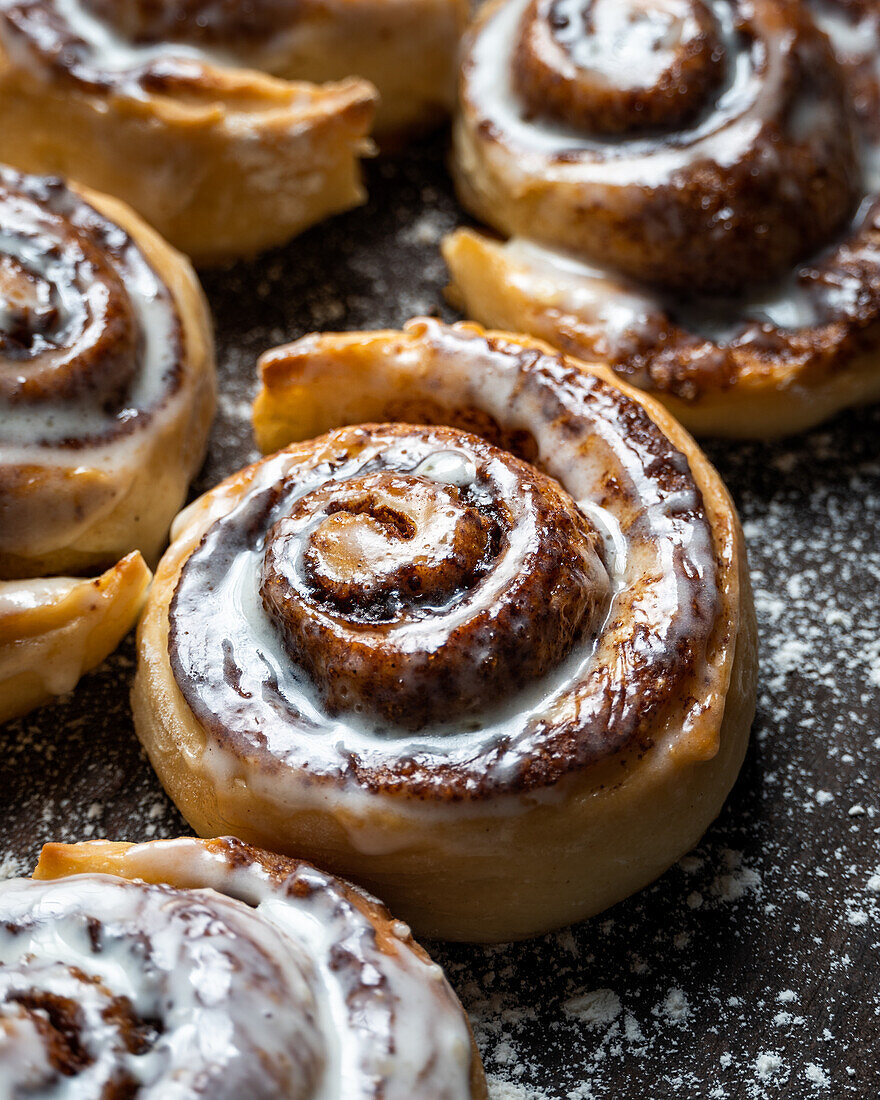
x: 68, y: 329
x: 28, y: 308
x: 418, y: 591
x: 612, y: 66
x: 389, y: 540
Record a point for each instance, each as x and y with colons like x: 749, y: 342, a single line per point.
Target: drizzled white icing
x: 447, y: 467
x: 29, y: 431
x: 238, y: 591
x: 630, y: 53
x: 105, y: 50
x: 259, y: 989
x: 623, y: 308
x: 724, y: 135
x: 27, y: 595
x: 595, y: 296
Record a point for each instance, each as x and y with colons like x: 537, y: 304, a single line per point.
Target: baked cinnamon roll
x: 192, y: 968
x: 106, y: 399
x: 500, y: 666
x: 691, y: 193
x: 106, y: 380
x: 157, y: 103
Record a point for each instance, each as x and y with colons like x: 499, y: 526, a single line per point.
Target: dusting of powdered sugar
x: 750, y: 970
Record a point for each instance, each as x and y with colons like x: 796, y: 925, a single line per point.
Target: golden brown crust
x: 405, y: 48
x: 247, y: 160
x: 53, y: 632
x: 382, y: 834
x: 773, y: 384
x: 251, y: 153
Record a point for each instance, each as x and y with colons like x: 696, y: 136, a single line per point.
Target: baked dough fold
x: 52, y: 630
x: 221, y: 159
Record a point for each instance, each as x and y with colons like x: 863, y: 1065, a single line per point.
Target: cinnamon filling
x: 617, y: 66
x: 90, y: 340
x: 418, y: 600
x: 67, y: 326
x: 451, y: 627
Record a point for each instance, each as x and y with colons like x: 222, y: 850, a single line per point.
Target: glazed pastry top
x: 411, y: 609
x: 265, y: 978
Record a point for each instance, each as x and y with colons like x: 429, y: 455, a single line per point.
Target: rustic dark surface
x: 751, y: 968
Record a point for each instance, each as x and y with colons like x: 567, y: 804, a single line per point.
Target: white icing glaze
x: 199, y: 983
x: 448, y: 468
x: 725, y: 135
x: 27, y: 595
x: 626, y: 52
x: 23, y: 423
x: 239, y: 591
x: 595, y: 296
x: 237, y: 966
x: 623, y: 309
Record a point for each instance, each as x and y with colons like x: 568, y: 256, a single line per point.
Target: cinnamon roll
x: 149, y: 102
x: 106, y: 380
x: 106, y: 399
x: 490, y: 651
x: 691, y: 194
x: 192, y: 968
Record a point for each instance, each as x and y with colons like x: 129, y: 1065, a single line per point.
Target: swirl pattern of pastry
x: 222, y: 160
x: 193, y: 968
x: 483, y: 649
x: 106, y: 399
x: 690, y: 191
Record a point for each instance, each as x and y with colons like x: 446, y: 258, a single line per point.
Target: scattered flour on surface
x: 598, y: 1008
